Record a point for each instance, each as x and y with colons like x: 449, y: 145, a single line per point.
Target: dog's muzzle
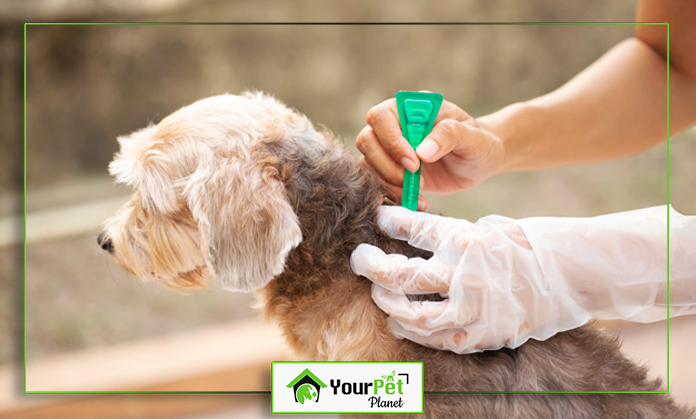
x: 105, y: 243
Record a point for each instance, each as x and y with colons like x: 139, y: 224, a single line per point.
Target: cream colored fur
x: 205, y: 197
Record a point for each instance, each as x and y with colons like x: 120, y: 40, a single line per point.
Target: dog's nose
x: 104, y: 243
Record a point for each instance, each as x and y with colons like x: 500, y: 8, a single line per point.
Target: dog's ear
x: 246, y: 222
x: 141, y: 163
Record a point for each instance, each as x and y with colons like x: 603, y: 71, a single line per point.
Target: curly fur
x: 247, y: 191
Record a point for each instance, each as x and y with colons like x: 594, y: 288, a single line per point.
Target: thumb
x: 463, y: 138
x: 444, y: 137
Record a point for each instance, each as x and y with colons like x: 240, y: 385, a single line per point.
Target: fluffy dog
x: 245, y: 191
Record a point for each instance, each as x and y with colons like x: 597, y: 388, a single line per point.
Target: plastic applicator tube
x: 417, y: 114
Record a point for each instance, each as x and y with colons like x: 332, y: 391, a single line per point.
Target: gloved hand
x: 506, y: 280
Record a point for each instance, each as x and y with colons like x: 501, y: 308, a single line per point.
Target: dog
x: 245, y: 191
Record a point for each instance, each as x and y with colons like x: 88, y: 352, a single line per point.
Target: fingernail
x: 422, y: 205
x: 428, y: 148
x: 409, y: 164
x: 422, y: 181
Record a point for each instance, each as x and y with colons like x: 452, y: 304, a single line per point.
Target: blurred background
x: 92, y: 326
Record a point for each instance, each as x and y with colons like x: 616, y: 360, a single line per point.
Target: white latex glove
x: 506, y: 280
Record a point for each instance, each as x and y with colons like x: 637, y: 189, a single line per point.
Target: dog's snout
x: 105, y: 243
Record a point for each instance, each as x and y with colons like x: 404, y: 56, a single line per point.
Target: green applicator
x: 417, y: 114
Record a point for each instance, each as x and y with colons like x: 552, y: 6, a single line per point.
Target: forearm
x: 616, y: 264
x: 615, y: 108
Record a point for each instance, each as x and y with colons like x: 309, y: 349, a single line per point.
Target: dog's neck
x: 336, y: 202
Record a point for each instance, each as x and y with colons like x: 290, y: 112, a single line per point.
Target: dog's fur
x: 243, y: 190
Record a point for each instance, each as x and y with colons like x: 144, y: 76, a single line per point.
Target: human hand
x: 458, y: 154
x: 496, y: 292
x: 506, y: 280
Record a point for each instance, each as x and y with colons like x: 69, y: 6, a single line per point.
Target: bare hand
x: 458, y: 154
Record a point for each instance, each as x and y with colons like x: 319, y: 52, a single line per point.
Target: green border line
x: 24, y: 226
x: 350, y: 23
x: 668, y: 205
x: 328, y: 24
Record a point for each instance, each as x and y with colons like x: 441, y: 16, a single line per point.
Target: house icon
x: 306, y: 387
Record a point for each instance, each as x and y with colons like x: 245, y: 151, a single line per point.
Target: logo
x: 306, y: 387
x: 347, y: 387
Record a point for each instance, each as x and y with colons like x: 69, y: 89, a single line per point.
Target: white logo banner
x: 347, y: 387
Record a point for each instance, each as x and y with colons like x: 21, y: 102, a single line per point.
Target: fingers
x: 384, y: 120
x: 420, y: 229
x: 423, y: 317
x: 474, y: 153
x: 384, y: 132
x: 399, y: 273
x: 447, y: 325
x: 377, y: 159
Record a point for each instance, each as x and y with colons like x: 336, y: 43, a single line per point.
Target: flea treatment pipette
x: 417, y: 114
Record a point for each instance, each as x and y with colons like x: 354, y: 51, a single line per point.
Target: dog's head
x: 208, y: 201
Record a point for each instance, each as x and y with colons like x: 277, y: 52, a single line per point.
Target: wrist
x: 513, y: 125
